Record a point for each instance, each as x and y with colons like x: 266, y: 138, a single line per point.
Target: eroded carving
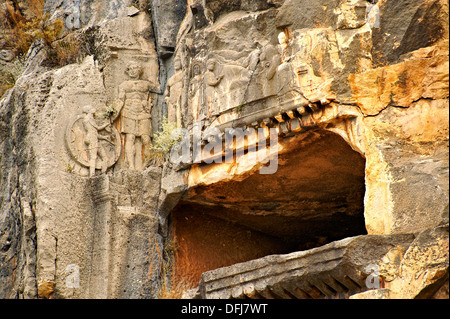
x: 285, y: 46
x: 288, y: 89
x: 173, y: 94
x: 233, y: 86
x: 288, y: 75
x: 212, y: 92
x: 196, y: 92
x: 263, y: 64
x: 93, y: 145
x: 72, y: 14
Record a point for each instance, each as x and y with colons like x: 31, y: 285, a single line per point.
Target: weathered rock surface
x: 354, y: 92
x: 415, y: 146
x: 424, y: 267
x: 422, y: 76
x: 406, y: 26
x: 72, y: 240
x: 167, y: 17
x: 80, y: 13
x: 18, y: 202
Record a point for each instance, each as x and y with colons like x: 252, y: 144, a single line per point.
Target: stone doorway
x: 315, y: 197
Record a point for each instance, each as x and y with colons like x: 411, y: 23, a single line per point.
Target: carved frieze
x: 224, y: 85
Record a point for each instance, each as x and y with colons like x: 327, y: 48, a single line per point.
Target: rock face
x: 72, y: 185
x: 313, y: 149
x: 167, y: 17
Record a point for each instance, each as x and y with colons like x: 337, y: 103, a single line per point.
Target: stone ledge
x: 335, y: 270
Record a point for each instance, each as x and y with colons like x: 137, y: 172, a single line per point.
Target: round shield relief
x: 108, y: 139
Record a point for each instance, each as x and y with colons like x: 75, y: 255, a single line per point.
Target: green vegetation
x: 163, y: 141
x: 239, y: 108
x: 110, y: 111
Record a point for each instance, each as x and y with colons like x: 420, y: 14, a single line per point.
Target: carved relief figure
x: 92, y: 145
x: 232, y: 86
x: 286, y: 49
x: 270, y: 60
x: 91, y: 140
x: 134, y: 107
x: 263, y: 82
x: 196, y: 93
x: 212, y: 91
x: 173, y: 94
x: 314, y: 85
x: 288, y: 89
x: 251, y: 62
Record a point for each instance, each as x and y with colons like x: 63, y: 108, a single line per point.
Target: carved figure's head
x: 177, y: 64
x: 196, y: 69
x: 134, y: 70
x: 88, y: 109
x: 211, y: 64
x: 282, y: 39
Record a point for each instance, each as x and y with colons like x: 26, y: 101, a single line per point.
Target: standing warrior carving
x: 134, y: 107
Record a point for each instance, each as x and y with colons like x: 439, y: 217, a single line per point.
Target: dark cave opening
x: 315, y: 197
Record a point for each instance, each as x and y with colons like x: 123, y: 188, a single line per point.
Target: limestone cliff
x: 312, y: 160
